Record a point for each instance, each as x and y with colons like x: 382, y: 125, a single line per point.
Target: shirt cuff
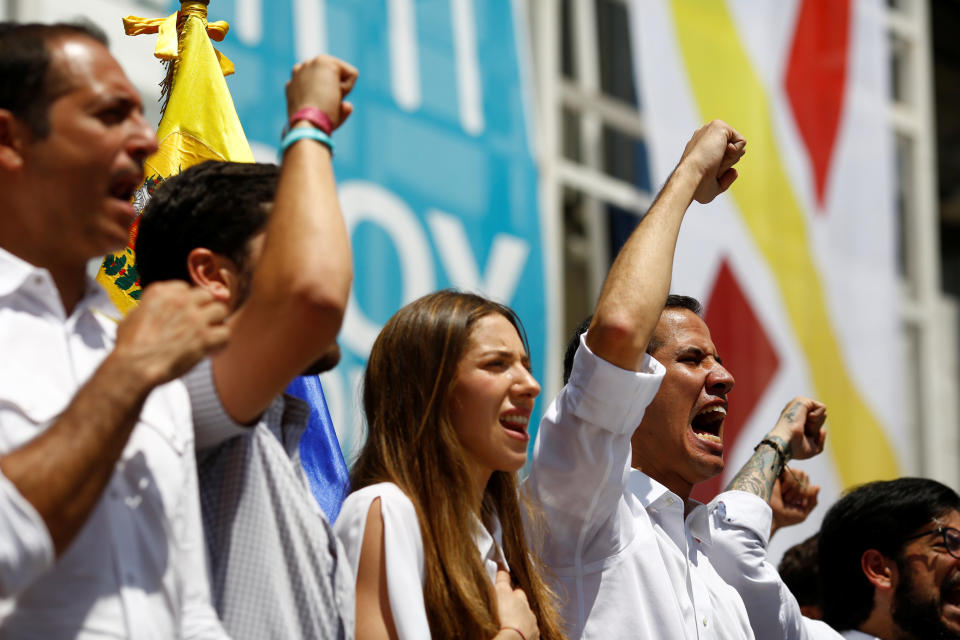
x: 604, y: 394
x: 26, y: 548
x: 211, y: 422
x: 745, y: 510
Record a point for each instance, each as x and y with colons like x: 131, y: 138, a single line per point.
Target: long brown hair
x: 412, y: 443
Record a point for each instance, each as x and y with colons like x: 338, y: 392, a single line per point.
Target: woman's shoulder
x: 396, y: 509
x: 391, y: 498
x: 400, y: 524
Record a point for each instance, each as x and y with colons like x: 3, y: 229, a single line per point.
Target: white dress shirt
x: 740, y: 529
x: 403, y: 548
x: 137, y: 568
x: 26, y: 549
x: 628, y: 563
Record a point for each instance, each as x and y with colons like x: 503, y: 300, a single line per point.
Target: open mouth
x: 708, y: 422
x: 515, y: 423
x: 950, y: 594
x: 123, y: 187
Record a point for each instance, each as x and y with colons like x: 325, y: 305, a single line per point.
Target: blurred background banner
x: 435, y: 169
x: 826, y: 271
x: 796, y: 265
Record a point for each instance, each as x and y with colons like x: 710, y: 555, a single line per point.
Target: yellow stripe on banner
x: 726, y: 86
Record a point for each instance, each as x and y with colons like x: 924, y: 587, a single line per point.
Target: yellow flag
x: 199, y: 122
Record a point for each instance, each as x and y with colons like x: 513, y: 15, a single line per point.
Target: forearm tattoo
x: 761, y: 471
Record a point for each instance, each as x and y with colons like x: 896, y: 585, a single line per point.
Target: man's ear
x: 11, y: 141
x: 216, y: 273
x: 880, y: 570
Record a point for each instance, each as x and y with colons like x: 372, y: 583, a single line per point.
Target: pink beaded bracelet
x: 314, y: 116
x: 520, y: 633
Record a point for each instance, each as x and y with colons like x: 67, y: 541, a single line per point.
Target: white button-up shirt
x: 403, y: 548
x: 686, y: 544
x: 137, y: 568
x: 628, y: 563
x: 740, y: 528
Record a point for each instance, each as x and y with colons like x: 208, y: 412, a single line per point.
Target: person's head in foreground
x: 800, y: 571
x: 448, y: 395
x: 72, y: 144
x: 679, y: 442
x: 206, y: 226
x: 890, y: 561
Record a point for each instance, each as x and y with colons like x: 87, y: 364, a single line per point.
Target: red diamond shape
x: 816, y: 79
x: 747, y: 353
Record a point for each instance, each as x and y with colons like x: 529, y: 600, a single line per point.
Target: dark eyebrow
x: 117, y: 100
x: 497, y: 352
x: 127, y: 101
x: 697, y: 352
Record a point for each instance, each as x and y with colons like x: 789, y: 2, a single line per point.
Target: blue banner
x: 435, y: 170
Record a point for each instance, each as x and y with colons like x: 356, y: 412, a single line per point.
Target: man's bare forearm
x: 629, y: 306
x: 760, y: 472
x: 64, y: 470
x: 302, y: 280
x: 798, y: 435
x: 639, y: 280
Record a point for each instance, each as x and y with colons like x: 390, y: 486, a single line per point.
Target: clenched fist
x: 170, y: 331
x: 322, y: 82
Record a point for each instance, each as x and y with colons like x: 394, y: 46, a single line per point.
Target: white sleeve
x: 198, y: 619
x: 26, y: 549
x: 582, y: 457
x: 403, y: 548
x: 740, y: 531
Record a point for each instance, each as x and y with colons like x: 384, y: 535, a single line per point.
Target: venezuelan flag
x: 200, y: 123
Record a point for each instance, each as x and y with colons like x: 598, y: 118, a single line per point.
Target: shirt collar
x: 98, y: 301
x: 490, y: 544
x: 14, y: 272
x: 653, y: 495
x: 292, y: 424
x: 698, y: 522
x: 17, y: 274
x: 649, y: 492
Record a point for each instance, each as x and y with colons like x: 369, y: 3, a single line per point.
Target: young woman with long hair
x: 434, y: 529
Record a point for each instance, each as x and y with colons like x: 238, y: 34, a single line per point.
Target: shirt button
x: 704, y: 621
x: 132, y: 580
x: 113, y: 494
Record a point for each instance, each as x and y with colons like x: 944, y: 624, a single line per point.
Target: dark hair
x: 27, y: 83
x: 216, y: 205
x: 877, y: 515
x: 800, y: 571
x: 673, y: 302
x: 412, y: 443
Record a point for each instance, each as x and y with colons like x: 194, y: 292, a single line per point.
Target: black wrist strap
x: 781, y: 454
